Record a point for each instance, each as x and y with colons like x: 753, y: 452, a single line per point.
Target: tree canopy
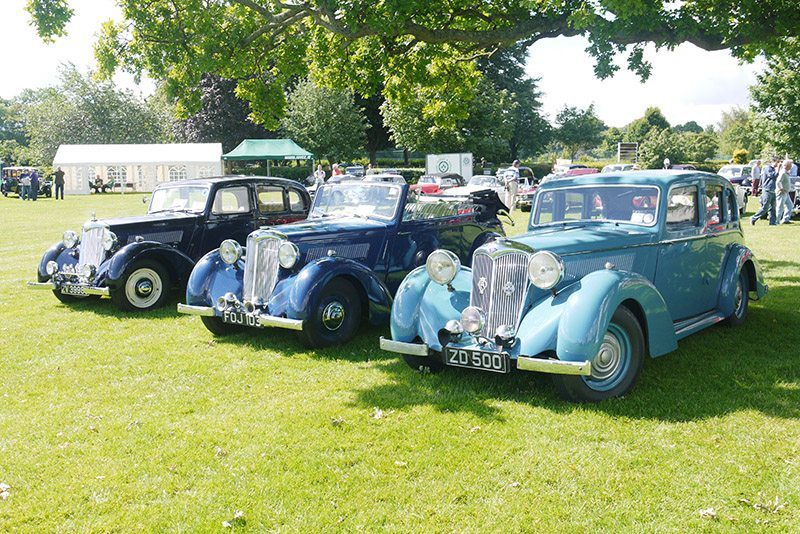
x: 578, y: 129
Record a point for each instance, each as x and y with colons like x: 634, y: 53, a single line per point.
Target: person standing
x: 755, y: 175
x: 667, y: 163
x: 25, y: 185
x: 768, y: 176
x: 34, y: 194
x: 59, y: 183
x: 782, y: 187
x: 319, y: 176
x: 511, y: 179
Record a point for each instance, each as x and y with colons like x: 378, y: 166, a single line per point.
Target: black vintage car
x: 10, y: 183
x: 136, y: 260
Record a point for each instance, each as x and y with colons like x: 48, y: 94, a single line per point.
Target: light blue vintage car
x: 613, y: 267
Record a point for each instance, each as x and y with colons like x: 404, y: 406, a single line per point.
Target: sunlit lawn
x: 118, y: 422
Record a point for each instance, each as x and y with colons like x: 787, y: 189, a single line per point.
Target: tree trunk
x: 405, y: 157
x: 373, y: 157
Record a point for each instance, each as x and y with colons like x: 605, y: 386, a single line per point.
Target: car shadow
x: 715, y: 372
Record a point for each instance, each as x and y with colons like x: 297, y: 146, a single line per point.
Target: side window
x: 714, y: 214
x: 733, y: 209
x: 682, y: 207
x: 296, y: 201
x: 270, y: 199
x: 231, y: 200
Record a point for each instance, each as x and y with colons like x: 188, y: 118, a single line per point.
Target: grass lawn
x: 120, y: 422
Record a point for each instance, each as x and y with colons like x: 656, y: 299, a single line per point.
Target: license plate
x: 243, y: 319
x: 477, y: 359
x: 72, y: 290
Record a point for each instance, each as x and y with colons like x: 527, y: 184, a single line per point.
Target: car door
x: 718, y: 237
x: 276, y: 204
x: 682, y: 271
x: 231, y: 215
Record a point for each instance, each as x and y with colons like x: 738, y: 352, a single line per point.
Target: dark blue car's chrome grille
x: 173, y: 236
x: 353, y: 252
x: 91, y: 248
x: 260, y: 267
x: 499, y: 286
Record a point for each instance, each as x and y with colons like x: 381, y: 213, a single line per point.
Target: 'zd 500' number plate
x: 477, y: 359
x: 239, y: 318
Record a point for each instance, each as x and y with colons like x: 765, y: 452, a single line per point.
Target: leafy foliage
x: 659, y: 145
x: 325, y: 121
x: 578, y: 129
x: 638, y: 130
x: 691, y: 127
x: 741, y: 156
x: 739, y: 129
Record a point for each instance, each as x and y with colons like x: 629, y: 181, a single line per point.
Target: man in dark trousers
x: 59, y: 183
x: 768, y: 176
x: 34, y: 185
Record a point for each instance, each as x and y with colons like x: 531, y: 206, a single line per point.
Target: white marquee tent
x: 138, y: 167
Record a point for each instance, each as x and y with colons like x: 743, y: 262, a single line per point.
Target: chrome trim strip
x: 205, y: 311
x: 41, y: 285
x: 400, y: 347
x: 555, y: 367
x: 91, y: 290
x: 280, y: 322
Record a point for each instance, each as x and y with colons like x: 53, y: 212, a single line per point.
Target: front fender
x: 739, y: 257
x: 178, y: 264
x: 212, y: 278
x: 51, y: 254
x: 573, y: 322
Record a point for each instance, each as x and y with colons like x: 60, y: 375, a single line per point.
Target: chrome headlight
x: 230, y: 251
x: 545, y: 270
x: 473, y: 319
x: 442, y: 266
x: 288, y: 254
x: 109, y: 240
x: 88, y: 271
x: 70, y: 239
x: 51, y: 268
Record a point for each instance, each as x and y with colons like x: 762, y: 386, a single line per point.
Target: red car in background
x: 432, y: 184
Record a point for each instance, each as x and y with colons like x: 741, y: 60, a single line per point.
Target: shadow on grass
x: 713, y: 373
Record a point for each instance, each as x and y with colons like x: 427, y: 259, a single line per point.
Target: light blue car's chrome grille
x: 91, y: 250
x: 260, y: 267
x: 499, y: 286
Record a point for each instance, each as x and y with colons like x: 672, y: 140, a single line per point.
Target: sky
x: 687, y: 84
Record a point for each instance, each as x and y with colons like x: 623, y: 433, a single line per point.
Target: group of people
x: 29, y: 185
x: 776, y: 180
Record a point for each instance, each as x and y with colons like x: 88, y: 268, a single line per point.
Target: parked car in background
x: 137, y: 260
x: 385, y: 178
x: 435, y: 183
x: 736, y: 174
x: 390, y: 170
x: 479, y: 182
x: 620, y: 167
x: 339, y: 269
x: 683, y: 167
x: 355, y: 170
x: 614, y: 267
x: 341, y: 178
x: 10, y: 181
x: 577, y: 171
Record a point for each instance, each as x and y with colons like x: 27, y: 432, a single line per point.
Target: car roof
x: 231, y: 179
x: 659, y: 178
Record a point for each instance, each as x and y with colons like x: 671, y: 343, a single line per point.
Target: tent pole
x: 268, y: 169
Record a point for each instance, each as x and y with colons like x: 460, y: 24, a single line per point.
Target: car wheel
x: 740, y: 301
x: 216, y: 326
x: 425, y: 364
x: 335, y: 318
x: 144, y: 287
x: 616, y: 366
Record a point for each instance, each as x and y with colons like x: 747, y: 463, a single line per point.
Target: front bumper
x: 73, y: 289
x: 524, y: 363
x: 259, y: 319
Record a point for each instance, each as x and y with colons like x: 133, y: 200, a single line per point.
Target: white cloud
x: 687, y: 83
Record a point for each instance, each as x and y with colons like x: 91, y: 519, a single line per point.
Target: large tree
x: 578, y: 129
x: 325, y: 121
x: 653, y: 119
x: 262, y: 44
x: 739, y: 129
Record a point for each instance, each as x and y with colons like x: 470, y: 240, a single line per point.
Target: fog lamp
x: 454, y: 327
x: 88, y: 271
x: 52, y: 268
x: 222, y: 304
x: 473, y: 319
x: 505, y: 333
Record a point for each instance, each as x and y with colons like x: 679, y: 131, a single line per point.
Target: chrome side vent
x: 499, y: 287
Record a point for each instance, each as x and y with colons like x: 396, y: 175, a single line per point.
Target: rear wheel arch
x: 750, y: 272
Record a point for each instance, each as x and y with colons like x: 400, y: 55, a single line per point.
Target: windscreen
x: 356, y: 200
x: 177, y: 198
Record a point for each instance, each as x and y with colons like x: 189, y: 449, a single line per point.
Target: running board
x: 694, y: 324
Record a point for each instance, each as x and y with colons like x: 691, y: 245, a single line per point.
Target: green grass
x: 118, y: 422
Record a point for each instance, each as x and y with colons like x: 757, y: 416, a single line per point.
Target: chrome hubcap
x: 333, y: 315
x: 739, y: 298
x: 143, y: 288
x: 608, y: 358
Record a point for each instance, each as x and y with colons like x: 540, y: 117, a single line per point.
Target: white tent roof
x: 138, y: 154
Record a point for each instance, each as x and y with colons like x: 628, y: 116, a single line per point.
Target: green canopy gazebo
x: 269, y: 150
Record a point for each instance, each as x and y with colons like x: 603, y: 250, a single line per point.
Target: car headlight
x: 230, y: 251
x: 288, y: 254
x: 88, y: 271
x: 442, y: 266
x: 51, y: 268
x: 70, y: 239
x: 109, y: 240
x: 473, y: 319
x: 545, y: 270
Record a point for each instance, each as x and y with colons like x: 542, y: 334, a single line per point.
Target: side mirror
x: 507, y: 215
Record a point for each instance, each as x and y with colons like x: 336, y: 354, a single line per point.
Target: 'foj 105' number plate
x: 239, y: 318
x: 477, y: 359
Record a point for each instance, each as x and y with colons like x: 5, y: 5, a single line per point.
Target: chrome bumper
x: 554, y: 367
x: 400, y: 347
x: 84, y: 289
x: 205, y: 311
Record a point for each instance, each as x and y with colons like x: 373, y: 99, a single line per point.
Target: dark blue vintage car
x: 325, y: 276
x: 614, y: 267
x: 136, y: 260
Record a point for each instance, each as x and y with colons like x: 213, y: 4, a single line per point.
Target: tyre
x: 740, y: 301
x: 335, y: 318
x: 144, y: 287
x: 425, y: 364
x: 218, y: 328
x: 616, y: 366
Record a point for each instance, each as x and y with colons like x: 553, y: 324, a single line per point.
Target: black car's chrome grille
x: 261, y: 267
x: 91, y: 250
x: 499, y: 286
